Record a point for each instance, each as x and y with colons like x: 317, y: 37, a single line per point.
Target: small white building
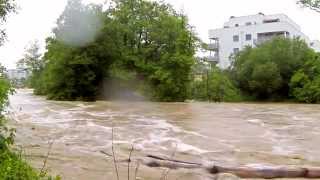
x: 251, y: 30
x: 17, y: 74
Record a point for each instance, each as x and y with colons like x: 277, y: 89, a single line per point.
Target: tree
x: 32, y: 58
x: 72, y: 61
x: 305, y: 84
x: 312, y: 4
x: 6, y: 7
x: 265, y: 71
x: 33, y: 63
x: 215, y: 86
x: 148, y: 40
x: 158, y: 44
x: 79, y: 24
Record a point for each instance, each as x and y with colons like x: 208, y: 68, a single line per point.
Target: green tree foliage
x: 6, y: 135
x: 305, y: 84
x: 148, y: 40
x: 6, y: 7
x: 74, y: 63
x: 72, y: 73
x: 216, y: 86
x: 265, y: 71
x: 78, y: 24
x: 33, y: 63
x: 32, y: 57
x: 312, y: 4
x: 158, y: 45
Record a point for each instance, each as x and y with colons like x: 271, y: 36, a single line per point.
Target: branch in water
x: 241, y: 171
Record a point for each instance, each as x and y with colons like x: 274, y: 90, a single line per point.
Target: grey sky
x: 36, y: 18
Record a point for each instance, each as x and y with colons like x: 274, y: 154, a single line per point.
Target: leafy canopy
x: 148, y: 40
x: 6, y: 7
x: 215, y: 85
x: 265, y: 71
x: 312, y: 4
x: 305, y: 84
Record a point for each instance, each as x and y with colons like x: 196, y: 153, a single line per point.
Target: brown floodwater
x: 237, y: 134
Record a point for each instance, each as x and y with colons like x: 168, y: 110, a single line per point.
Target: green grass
x: 14, y: 167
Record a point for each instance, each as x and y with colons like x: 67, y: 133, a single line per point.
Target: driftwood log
x: 242, y: 171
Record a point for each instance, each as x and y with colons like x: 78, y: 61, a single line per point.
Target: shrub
x: 305, y: 84
x: 265, y: 71
x: 215, y: 86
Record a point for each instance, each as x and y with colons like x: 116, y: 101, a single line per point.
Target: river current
x: 226, y: 133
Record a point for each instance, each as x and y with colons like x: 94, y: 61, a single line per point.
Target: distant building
x: 251, y: 30
x: 17, y: 74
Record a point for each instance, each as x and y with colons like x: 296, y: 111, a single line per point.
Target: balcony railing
x: 213, y: 46
x: 261, y: 41
x: 213, y: 59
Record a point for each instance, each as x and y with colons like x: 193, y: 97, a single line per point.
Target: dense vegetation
x: 6, y: 7
x: 281, y: 69
x: 305, y: 84
x: 312, y: 4
x: 265, y: 72
x: 146, y: 49
x: 142, y: 43
x: 213, y: 84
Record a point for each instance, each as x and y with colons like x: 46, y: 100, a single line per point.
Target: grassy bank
x: 14, y: 167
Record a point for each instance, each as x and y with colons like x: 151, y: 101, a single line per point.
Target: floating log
x: 264, y: 172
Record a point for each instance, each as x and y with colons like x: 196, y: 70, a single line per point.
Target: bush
x: 305, y: 84
x: 265, y: 71
x: 215, y: 86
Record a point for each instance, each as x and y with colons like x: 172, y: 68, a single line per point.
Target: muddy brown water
x: 235, y: 134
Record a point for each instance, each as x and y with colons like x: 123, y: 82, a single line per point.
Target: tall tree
x: 6, y: 7
x: 148, y: 41
x: 265, y: 71
x: 32, y: 57
x: 78, y: 24
x: 157, y: 43
x: 312, y: 4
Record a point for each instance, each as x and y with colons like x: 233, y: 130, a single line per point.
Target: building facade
x: 17, y: 74
x: 252, y: 30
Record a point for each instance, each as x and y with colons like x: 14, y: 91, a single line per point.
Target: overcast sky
x: 36, y: 18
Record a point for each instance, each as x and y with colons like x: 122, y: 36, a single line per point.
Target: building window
x: 271, y: 20
x: 236, y: 50
x: 248, y: 37
x: 248, y: 24
x: 235, y: 38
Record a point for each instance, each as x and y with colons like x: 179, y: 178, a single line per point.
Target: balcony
x: 263, y: 37
x: 213, y: 46
x: 214, y: 59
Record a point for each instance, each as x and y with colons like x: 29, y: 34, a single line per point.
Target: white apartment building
x: 251, y: 30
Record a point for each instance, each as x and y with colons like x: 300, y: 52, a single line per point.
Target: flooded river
x: 237, y: 134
